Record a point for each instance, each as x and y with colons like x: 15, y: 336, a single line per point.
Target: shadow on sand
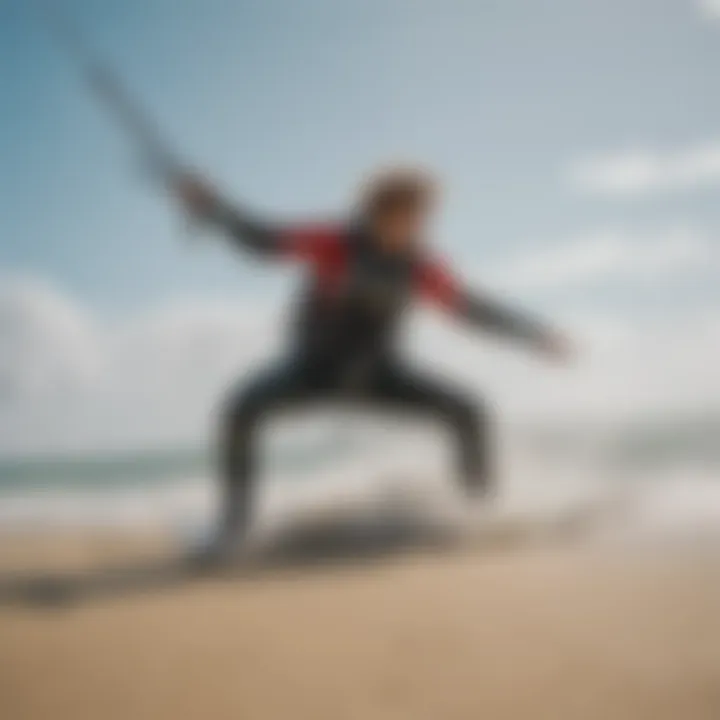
x: 299, y: 547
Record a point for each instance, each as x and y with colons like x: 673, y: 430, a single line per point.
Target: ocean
x: 659, y: 475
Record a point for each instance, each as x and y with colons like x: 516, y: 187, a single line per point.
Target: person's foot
x: 480, y: 489
x: 222, y: 550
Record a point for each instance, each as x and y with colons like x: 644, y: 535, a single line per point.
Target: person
x: 363, y: 274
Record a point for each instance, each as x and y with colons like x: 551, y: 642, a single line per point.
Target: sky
x: 578, y: 141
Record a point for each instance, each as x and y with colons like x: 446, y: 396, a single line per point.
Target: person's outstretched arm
x: 251, y: 233
x: 438, y: 286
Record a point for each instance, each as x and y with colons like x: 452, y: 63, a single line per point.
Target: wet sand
x: 477, y: 633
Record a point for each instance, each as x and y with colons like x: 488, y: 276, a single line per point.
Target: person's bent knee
x: 468, y: 413
x: 239, y: 411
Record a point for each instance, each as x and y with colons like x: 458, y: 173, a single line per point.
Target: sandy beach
x: 495, y: 633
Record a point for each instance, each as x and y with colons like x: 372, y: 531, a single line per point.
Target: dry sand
x: 496, y: 634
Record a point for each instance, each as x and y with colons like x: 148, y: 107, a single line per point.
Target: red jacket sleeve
x: 436, y: 284
x: 316, y: 243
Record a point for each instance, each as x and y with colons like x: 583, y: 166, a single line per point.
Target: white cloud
x: 710, y: 8
x: 72, y: 383
x: 46, y: 342
x: 69, y: 382
x: 640, y: 172
x: 610, y: 255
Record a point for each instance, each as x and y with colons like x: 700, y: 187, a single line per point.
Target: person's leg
x: 241, y: 420
x: 467, y: 419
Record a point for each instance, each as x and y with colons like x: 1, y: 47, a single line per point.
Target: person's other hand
x: 557, y: 347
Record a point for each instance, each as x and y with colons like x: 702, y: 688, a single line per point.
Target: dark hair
x: 397, y: 189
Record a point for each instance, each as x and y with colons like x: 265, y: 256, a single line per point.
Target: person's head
x: 397, y: 204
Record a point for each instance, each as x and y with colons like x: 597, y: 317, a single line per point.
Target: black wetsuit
x: 344, y: 345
